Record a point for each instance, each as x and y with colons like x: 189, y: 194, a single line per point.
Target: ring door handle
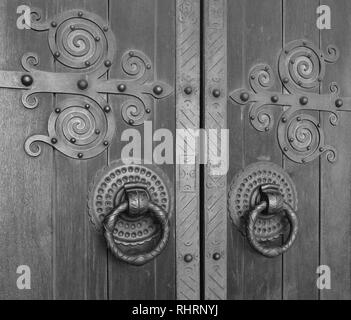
x: 263, y: 203
x: 274, y: 204
x: 137, y: 203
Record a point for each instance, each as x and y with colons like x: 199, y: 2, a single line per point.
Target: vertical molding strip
x: 215, y: 99
x: 187, y: 175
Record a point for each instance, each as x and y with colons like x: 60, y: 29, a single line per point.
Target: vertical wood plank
x: 150, y: 28
x: 187, y: 175
x: 25, y: 184
x: 300, y: 23
x: 215, y: 115
x: 80, y: 252
x: 251, y: 276
x: 336, y: 177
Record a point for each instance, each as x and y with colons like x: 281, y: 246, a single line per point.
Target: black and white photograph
x: 183, y: 151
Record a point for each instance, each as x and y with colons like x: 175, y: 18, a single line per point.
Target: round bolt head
x: 80, y: 14
x: 216, y: 256
x: 72, y: 27
x: 80, y: 155
x: 97, y: 38
x: 284, y: 120
x: 106, y: 143
x: 188, y: 258
x: 108, y: 63
x: 97, y: 131
x: 27, y: 80
x: 275, y: 99
x: 252, y: 118
x: 148, y: 110
x: 122, y: 87
x: 321, y: 149
x: 216, y: 93
x: 158, y: 90
x: 286, y: 149
x: 87, y: 63
x: 105, y: 28
x: 286, y: 80
x: 57, y: 110
x: 73, y: 140
x: 57, y: 54
x: 291, y: 140
x: 54, y: 24
x: 303, y: 101
x: 87, y: 106
x: 131, y: 122
x: 245, y: 97
x: 107, y: 109
x: 83, y: 84
x: 188, y: 90
x: 53, y: 140
x: 339, y: 103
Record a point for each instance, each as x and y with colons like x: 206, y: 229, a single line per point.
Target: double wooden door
x: 260, y: 92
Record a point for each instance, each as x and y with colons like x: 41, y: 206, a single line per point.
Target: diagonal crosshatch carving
x: 83, y: 127
x: 301, y: 69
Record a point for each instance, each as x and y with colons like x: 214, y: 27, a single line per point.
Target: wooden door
x: 270, y: 78
x: 102, y: 68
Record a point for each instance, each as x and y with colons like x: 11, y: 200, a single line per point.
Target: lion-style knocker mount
x: 301, y: 69
x: 263, y: 205
x: 131, y: 205
x: 82, y: 127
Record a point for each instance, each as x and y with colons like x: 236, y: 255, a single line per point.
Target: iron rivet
x: 105, y: 28
x: 80, y: 14
x: 72, y: 27
x: 286, y: 51
x: 266, y: 129
x: 292, y: 61
x: 73, y: 140
x: 148, y: 66
x: 188, y: 90
x: 286, y: 149
x: 57, y: 110
x: 97, y: 131
x: 216, y: 256
x: 108, y: 63
x: 318, y: 125
x: 80, y: 155
x: 266, y: 68
x: 320, y: 79
x: 87, y: 63
x: 252, y: 118
x: 188, y: 258
x: 253, y: 77
x: 286, y: 80
x: 304, y: 43
x: 107, y: 109
x: 27, y: 80
x: 53, y: 140
x: 308, y: 148
x: 303, y: 100
x: 57, y: 54
x: 131, y: 122
x: 339, y: 103
x: 82, y: 84
x: 97, y: 38
x: 303, y: 161
x: 291, y: 140
x: 158, y: 90
x: 298, y: 119
x: 131, y: 53
x: 54, y: 24
x: 245, y: 97
x: 148, y: 110
x: 87, y: 106
x: 216, y: 93
x: 106, y: 143
x: 122, y: 87
x: 284, y: 120
x: 321, y: 149
x: 275, y: 99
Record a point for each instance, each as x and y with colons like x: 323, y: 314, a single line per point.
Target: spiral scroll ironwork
x: 79, y: 128
x: 301, y: 68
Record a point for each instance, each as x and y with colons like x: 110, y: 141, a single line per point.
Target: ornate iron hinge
x: 83, y: 127
x: 301, y: 68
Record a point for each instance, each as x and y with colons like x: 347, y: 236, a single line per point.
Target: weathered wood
x: 80, y: 258
x: 188, y: 175
x: 148, y: 26
x: 299, y: 22
x: 254, y: 36
x: 26, y: 183
x: 336, y: 178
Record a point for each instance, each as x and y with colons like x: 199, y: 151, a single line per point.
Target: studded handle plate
x: 138, y: 203
x: 262, y: 205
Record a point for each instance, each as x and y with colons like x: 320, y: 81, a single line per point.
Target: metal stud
x: 216, y: 256
x: 80, y: 155
x: 216, y: 93
x: 108, y: 63
x: 275, y: 99
x: 286, y: 80
x: 245, y: 97
x: 106, y: 143
x: 303, y: 101
x: 80, y: 14
x: 339, y: 103
x: 73, y: 140
x: 188, y: 258
x: 27, y: 80
x: 97, y: 131
x: 53, y: 140
x: 122, y: 87
x: 57, y: 54
x: 54, y: 24
x: 148, y: 110
x: 107, y: 109
x: 57, y: 110
x: 158, y: 90
x: 284, y: 120
x: 188, y: 90
x: 82, y: 84
x: 87, y: 106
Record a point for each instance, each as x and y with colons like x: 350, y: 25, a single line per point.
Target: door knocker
x: 85, y: 47
x: 263, y: 204
x: 132, y: 206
